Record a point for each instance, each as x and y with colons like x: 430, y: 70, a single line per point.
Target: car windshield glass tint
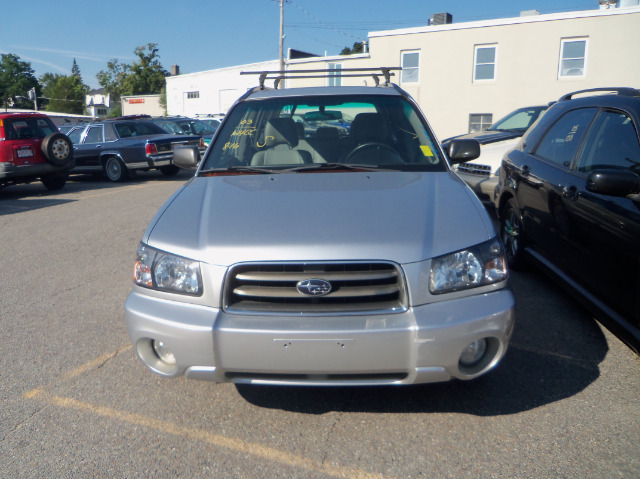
x: 519, y: 120
x: 27, y: 128
x: 369, y: 130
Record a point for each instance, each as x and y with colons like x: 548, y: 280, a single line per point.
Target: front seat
x: 281, y: 137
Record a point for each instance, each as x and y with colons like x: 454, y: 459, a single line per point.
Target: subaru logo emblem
x: 314, y: 287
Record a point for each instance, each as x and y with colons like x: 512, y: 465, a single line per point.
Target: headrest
x: 327, y: 133
x: 369, y: 127
x: 281, y: 130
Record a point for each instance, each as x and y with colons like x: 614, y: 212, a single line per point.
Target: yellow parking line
x: 237, y: 445
x: 95, y: 362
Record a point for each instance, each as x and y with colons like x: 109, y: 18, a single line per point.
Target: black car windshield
x: 282, y: 134
x: 519, y: 120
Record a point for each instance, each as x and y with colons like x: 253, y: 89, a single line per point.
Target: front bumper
x: 420, y: 345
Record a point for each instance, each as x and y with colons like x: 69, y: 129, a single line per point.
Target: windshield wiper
x: 239, y: 170
x: 335, y: 166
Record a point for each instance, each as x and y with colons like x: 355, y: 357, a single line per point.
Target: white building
x: 98, y: 103
x: 464, y: 74
x: 211, y: 92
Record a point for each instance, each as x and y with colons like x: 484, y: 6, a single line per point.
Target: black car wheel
x: 169, y: 170
x: 512, y: 235
x: 54, y: 182
x: 57, y: 149
x: 115, y: 169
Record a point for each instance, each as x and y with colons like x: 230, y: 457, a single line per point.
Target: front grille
x: 473, y: 169
x: 355, y: 287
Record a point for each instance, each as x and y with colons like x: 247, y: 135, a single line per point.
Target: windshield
x: 307, y: 132
x: 519, y: 120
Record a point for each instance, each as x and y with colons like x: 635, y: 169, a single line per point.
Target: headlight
x: 476, y: 266
x: 166, y: 272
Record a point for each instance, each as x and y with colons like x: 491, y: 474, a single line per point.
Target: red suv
x: 32, y: 148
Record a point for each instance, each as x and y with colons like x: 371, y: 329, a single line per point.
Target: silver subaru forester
x: 324, y: 240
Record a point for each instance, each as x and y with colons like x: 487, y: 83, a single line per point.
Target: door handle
x: 569, y: 192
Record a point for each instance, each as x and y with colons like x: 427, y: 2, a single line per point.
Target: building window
x: 573, y: 57
x: 334, y: 78
x: 479, y: 121
x: 193, y: 94
x: 484, y: 62
x: 410, y: 67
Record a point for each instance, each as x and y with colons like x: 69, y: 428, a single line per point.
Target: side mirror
x: 460, y: 151
x: 613, y: 182
x: 187, y: 157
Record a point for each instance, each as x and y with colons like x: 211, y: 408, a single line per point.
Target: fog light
x: 474, y: 352
x: 163, y: 352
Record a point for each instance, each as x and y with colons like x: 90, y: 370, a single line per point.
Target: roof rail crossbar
x: 278, y: 76
x: 624, y: 91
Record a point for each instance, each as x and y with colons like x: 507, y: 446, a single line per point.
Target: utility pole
x: 34, y: 97
x: 282, y: 35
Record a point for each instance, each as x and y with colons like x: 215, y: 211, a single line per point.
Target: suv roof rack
x: 278, y: 76
x: 619, y: 91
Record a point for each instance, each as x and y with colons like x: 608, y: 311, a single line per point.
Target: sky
x: 201, y: 35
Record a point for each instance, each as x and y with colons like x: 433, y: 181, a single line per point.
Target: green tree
x: 16, y: 79
x: 358, y: 47
x: 145, y: 76
x: 111, y: 79
x: 65, y: 93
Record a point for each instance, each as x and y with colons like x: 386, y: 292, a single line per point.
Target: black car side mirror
x: 460, y: 151
x: 187, y: 157
x: 614, y: 183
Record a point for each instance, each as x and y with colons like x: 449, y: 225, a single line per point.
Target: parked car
x: 31, y: 149
x: 482, y: 174
x: 73, y: 132
x: 212, y: 122
x: 361, y: 261
x: 569, y: 199
x: 118, y: 147
x: 186, y: 126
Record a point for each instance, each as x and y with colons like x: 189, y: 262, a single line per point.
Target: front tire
x: 512, y: 235
x: 115, y: 169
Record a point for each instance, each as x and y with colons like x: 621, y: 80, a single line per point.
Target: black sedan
x: 569, y: 198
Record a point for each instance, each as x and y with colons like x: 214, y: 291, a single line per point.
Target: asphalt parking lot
x: 76, y: 402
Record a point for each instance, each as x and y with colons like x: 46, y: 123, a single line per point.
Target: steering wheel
x: 391, y: 157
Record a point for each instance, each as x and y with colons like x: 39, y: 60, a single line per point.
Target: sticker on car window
x: 426, y: 151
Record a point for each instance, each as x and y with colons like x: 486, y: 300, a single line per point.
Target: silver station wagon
x: 324, y: 240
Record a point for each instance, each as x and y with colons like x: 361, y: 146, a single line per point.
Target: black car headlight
x: 166, y: 272
x: 479, y: 265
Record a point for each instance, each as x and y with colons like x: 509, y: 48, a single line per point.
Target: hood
x: 488, y: 136
x: 396, y: 216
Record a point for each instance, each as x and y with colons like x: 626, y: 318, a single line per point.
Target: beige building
x: 142, y: 105
x: 466, y: 75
